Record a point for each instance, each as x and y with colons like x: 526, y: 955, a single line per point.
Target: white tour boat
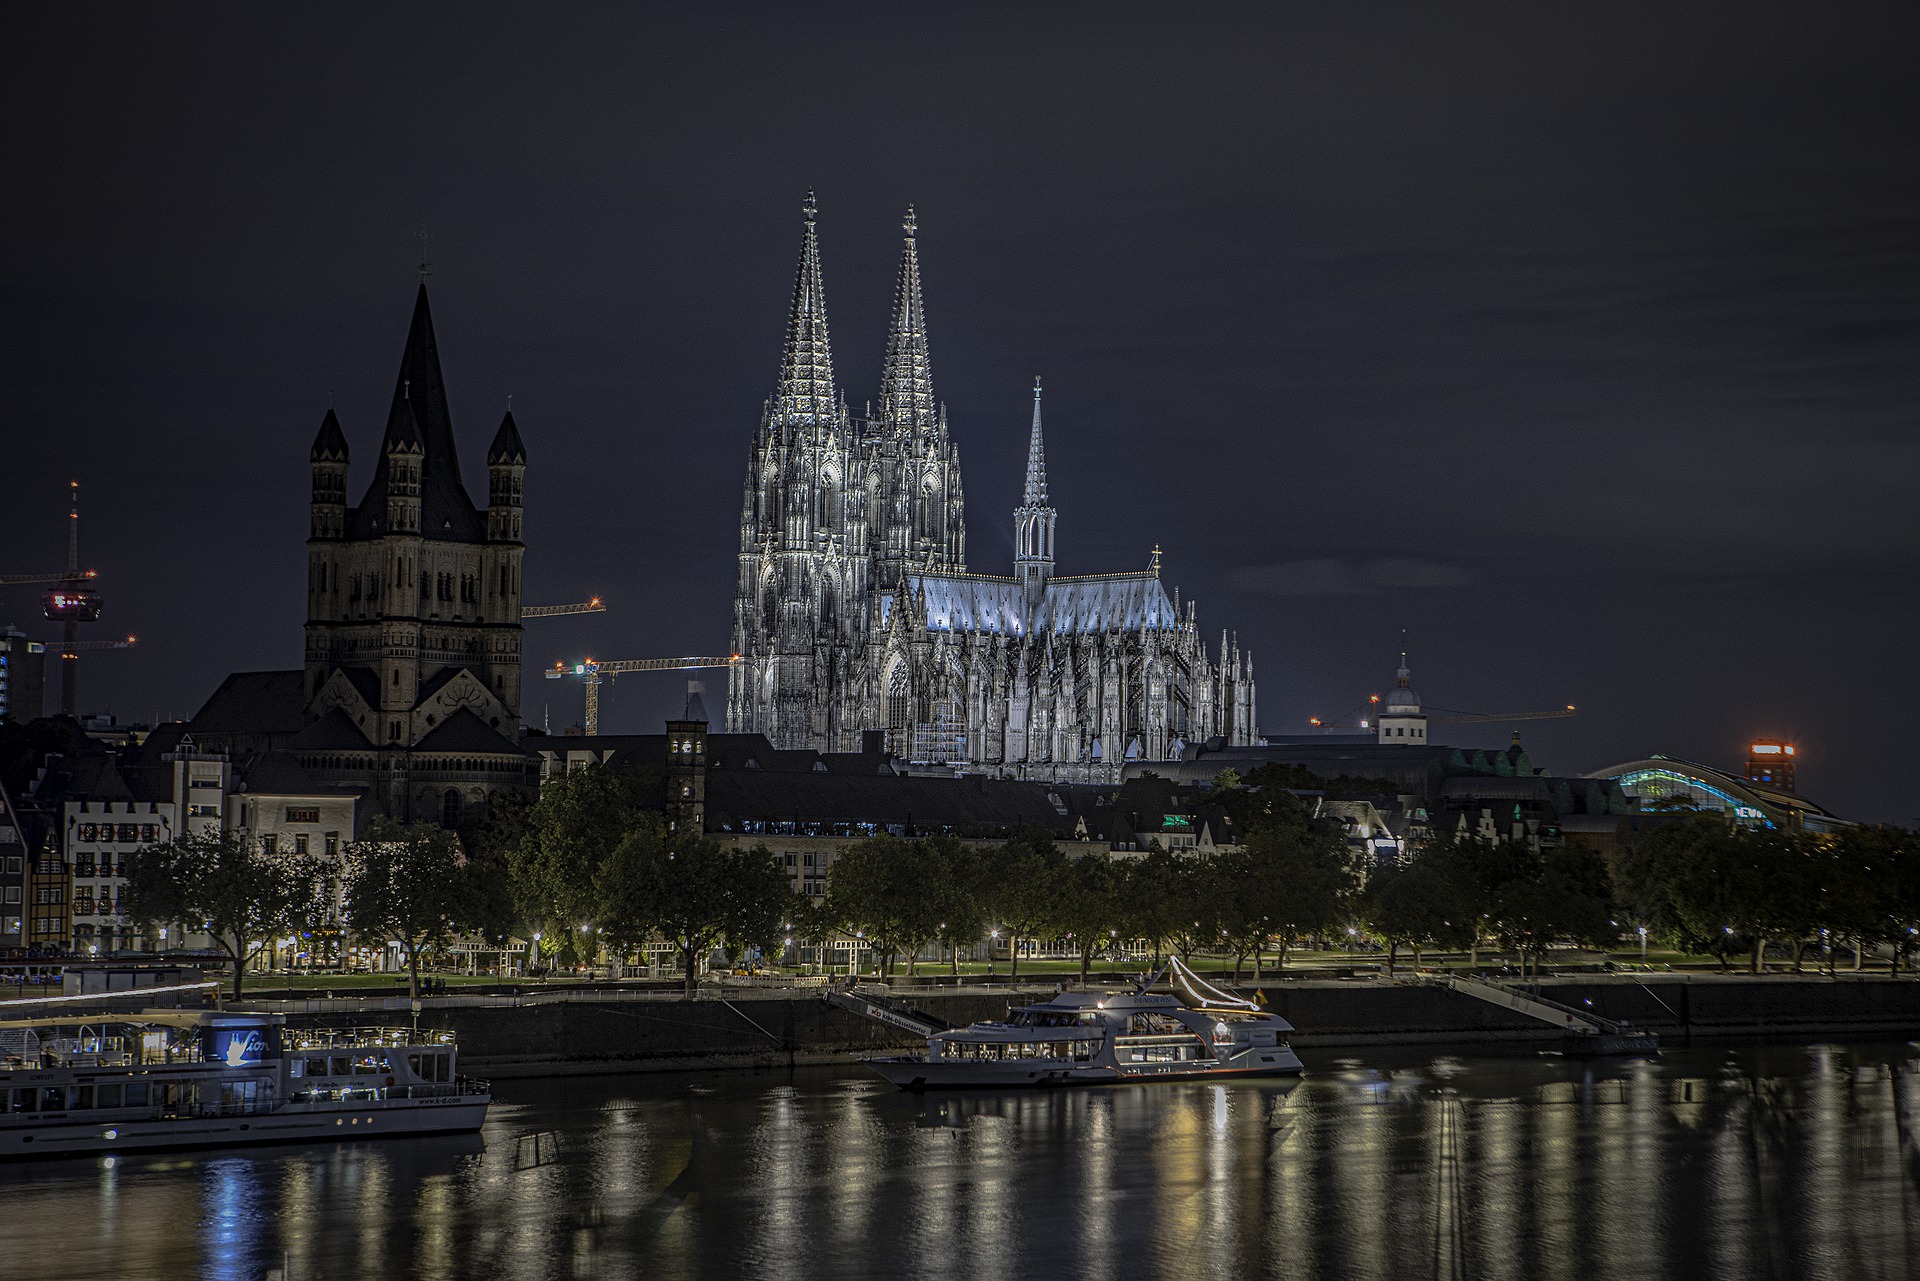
x: 1081, y: 1038
x: 205, y: 1078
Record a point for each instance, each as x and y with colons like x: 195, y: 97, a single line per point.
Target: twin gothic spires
x: 806, y: 394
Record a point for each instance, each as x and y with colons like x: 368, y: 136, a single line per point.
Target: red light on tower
x: 1770, y: 762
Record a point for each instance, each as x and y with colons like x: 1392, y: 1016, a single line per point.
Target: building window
x: 333, y: 844
x: 450, y: 808
x: 269, y: 844
x: 300, y: 844
x: 302, y: 815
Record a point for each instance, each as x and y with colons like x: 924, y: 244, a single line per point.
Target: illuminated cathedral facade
x: 856, y: 612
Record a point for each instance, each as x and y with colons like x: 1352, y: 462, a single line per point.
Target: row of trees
x: 1704, y: 885
x: 410, y: 884
x: 591, y: 868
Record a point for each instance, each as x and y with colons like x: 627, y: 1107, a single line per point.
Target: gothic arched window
x: 899, y: 711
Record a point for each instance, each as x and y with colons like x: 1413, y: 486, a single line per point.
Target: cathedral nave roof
x: 1069, y: 606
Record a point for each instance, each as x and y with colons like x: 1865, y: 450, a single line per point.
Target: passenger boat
x: 206, y: 1078
x: 1083, y: 1038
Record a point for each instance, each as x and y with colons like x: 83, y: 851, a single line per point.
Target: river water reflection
x: 1738, y: 1162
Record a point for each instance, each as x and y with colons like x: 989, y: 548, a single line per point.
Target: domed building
x: 1401, y: 722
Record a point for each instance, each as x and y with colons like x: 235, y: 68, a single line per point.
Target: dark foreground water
x: 1746, y: 1162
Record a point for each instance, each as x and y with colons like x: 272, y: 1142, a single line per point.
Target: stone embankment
x: 614, y: 1031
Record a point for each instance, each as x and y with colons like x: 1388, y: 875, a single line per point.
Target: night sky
x: 1579, y: 341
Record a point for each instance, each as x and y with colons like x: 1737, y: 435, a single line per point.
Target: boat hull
x: 915, y: 1072
x: 294, y: 1123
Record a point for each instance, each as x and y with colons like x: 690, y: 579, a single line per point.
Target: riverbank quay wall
x: 611, y: 1031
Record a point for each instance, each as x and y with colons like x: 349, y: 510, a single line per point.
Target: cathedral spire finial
x: 1036, y: 491
x: 426, y: 268
x: 906, y: 383
x: 805, y: 395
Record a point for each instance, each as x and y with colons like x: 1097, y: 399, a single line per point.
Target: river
x: 1748, y: 1161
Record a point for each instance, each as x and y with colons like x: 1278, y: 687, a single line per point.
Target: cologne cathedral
x: 856, y: 611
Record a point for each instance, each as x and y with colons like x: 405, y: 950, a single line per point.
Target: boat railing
x: 459, y: 1088
x: 348, y: 1038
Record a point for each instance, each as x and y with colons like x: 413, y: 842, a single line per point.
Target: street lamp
x: 1643, y: 945
x: 993, y: 938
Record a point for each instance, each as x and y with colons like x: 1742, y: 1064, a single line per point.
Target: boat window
x: 24, y: 1101
x: 1155, y: 1025
x: 316, y: 1067
x: 107, y: 1096
x: 83, y: 1096
x: 342, y: 1066
x: 137, y: 1094
x: 53, y: 1099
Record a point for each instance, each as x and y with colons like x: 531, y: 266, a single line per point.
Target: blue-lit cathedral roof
x: 1066, y: 607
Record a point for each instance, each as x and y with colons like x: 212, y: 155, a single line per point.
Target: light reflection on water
x: 1772, y: 1161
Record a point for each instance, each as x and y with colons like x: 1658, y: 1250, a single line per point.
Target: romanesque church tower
x: 412, y: 682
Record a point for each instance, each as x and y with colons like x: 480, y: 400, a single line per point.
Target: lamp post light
x: 993, y: 938
x: 1643, y: 945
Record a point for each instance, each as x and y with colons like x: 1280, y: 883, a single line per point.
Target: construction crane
x: 556, y: 611
x: 68, y: 651
x: 70, y: 599
x: 593, y: 671
x: 50, y: 578
x: 1352, y: 719
x: 1482, y: 718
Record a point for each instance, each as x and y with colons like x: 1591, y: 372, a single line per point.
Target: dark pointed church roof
x: 420, y: 417
x: 330, y: 444
x: 465, y: 732
x: 506, y: 449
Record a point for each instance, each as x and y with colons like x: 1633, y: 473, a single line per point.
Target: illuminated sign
x: 1747, y: 811
x: 239, y: 1046
x: 1766, y: 749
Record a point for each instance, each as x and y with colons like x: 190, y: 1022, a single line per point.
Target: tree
x: 1019, y: 886
x: 961, y: 886
x: 1167, y: 899
x: 694, y: 893
x: 1086, y: 905
x: 220, y: 882
x: 1479, y: 871
x: 580, y: 819
x: 411, y: 885
x: 884, y: 888
x: 1294, y: 877
x: 1418, y: 905
x: 1567, y: 895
